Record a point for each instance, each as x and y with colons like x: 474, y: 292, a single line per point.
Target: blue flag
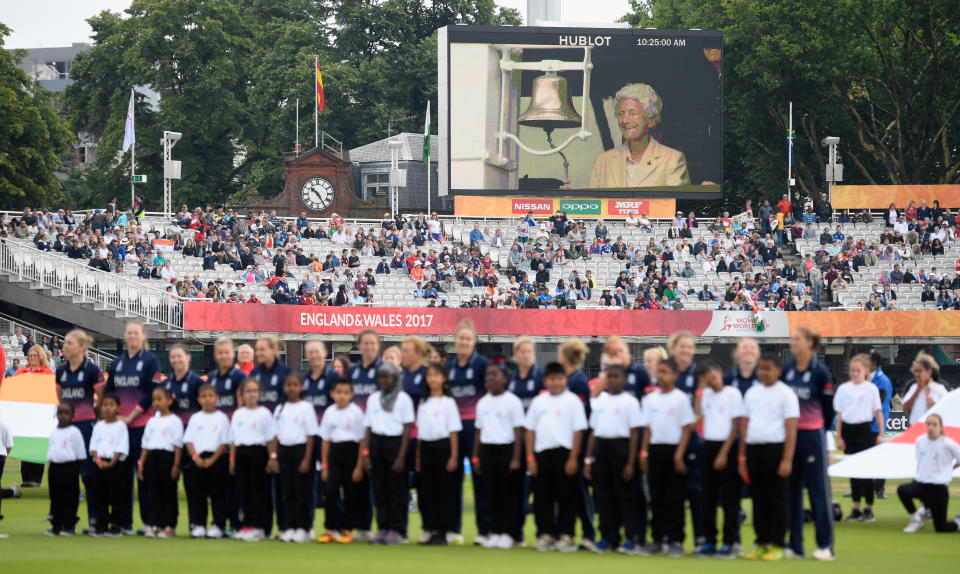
x: 129, y: 138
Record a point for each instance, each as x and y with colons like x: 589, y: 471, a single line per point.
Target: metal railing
x: 128, y: 296
x: 102, y: 359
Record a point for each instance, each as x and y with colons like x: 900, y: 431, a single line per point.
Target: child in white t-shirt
x: 296, y: 426
x: 342, y: 432
x: 721, y: 409
x: 207, y: 439
x: 388, y: 419
x: 253, y: 455
x: 159, y: 463
x: 555, y: 423
x: 438, y: 428
x: 766, y: 456
x: 937, y: 456
x: 611, y: 461
x: 109, y: 446
x: 65, y: 454
x: 496, y: 456
x: 857, y: 404
x: 670, y: 421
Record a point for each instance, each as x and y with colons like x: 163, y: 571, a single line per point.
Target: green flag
x: 426, y: 136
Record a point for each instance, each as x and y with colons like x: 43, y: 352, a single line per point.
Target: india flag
x: 163, y: 244
x: 28, y: 408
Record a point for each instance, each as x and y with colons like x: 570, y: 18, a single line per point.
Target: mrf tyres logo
x: 627, y: 207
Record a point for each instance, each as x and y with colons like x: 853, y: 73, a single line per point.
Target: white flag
x: 129, y: 138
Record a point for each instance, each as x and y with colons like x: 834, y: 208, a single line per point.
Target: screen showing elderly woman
x: 608, y: 113
x: 640, y: 160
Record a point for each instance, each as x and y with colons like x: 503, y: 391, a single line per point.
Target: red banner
x: 521, y: 206
x: 627, y: 207
x: 238, y: 317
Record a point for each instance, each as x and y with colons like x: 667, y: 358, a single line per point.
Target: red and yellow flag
x: 319, y: 87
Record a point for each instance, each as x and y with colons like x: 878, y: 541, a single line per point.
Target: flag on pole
x: 128, y: 136
x: 319, y: 87
x: 426, y: 136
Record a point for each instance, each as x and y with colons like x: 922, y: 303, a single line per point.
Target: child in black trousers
x: 766, y: 456
x: 159, y: 463
x: 65, y: 455
x: 496, y: 452
x: 388, y: 420
x: 721, y: 409
x: 439, y: 426
x: 611, y: 461
x: 340, y: 454
x: 296, y: 427
x: 253, y: 457
x: 206, y: 439
x: 109, y: 446
x: 555, y: 423
x: 670, y: 421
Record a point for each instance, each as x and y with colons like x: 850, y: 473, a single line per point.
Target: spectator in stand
x: 823, y: 209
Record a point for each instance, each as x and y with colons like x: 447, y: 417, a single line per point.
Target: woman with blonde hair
x: 37, y: 363
x: 80, y: 383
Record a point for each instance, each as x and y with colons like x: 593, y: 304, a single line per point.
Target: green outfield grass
x: 875, y: 547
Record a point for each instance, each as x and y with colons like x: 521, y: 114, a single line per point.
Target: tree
x: 883, y: 77
x: 230, y: 73
x: 32, y: 136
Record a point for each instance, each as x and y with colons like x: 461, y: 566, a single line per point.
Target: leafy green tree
x: 229, y: 75
x: 32, y: 136
x: 880, y: 74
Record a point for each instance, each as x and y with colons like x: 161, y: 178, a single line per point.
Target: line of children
x: 262, y: 444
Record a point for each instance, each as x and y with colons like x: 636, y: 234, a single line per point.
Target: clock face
x: 317, y: 194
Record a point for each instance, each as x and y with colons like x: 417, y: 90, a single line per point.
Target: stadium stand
x: 146, y: 267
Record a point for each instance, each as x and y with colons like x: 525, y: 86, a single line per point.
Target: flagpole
x: 426, y: 143
x: 296, y: 144
x: 790, y: 154
x: 316, y: 104
x: 133, y: 148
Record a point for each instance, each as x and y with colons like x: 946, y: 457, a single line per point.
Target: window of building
x: 377, y: 183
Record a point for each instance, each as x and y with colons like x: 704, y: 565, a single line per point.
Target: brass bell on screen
x: 550, y: 104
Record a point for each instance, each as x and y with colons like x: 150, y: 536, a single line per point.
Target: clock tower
x: 317, y: 182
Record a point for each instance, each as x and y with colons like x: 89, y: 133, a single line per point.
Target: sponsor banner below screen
x: 627, y: 207
x: 580, y: 207
x: 537, y: 206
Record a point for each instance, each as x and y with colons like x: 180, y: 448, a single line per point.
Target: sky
x: 51, y: 23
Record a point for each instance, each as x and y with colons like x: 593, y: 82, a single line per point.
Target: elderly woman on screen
x: 641, y: 161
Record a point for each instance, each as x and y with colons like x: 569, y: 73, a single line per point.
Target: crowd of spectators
x: 736, y: 262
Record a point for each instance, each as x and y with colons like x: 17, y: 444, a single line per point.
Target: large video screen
x: 580, y: 112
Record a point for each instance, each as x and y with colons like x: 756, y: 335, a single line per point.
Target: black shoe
x: 854, y: 516
x: 881, y: 494
x: 867, y: 516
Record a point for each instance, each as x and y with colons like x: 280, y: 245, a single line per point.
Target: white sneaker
x: 505, y: 542
x: 362, y: 536
x: 913, y: 526
x: 544, y: 543
x: 565, y: 544
x: 198, y: 532
x: 255, y: 535
x: 824, y: 555
x: 300, y: 536
x: 287, y: 535
x: 481, y: 540
x: 214, y: 532
x: 454, y: 539
x: 492, y: 541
